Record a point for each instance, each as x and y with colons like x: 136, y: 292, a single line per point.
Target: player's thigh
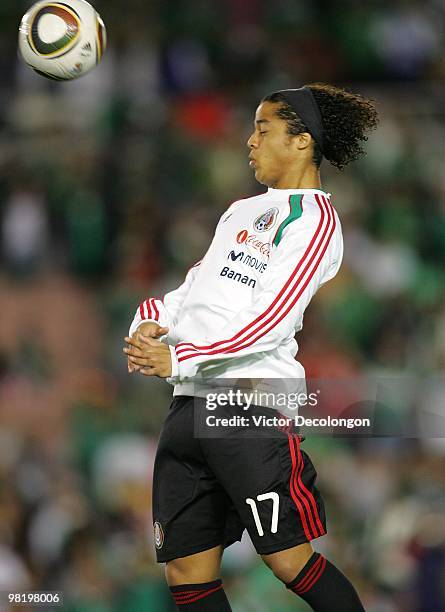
x: 190, y: 507
x: 272, y: 484
x: 201, y: 567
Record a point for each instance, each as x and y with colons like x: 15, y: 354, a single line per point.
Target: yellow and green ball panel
x: 65, y: 42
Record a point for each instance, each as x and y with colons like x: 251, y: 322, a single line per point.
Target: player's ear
x: 303, y: 140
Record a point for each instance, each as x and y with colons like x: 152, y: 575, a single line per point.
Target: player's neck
x: 300, y: 178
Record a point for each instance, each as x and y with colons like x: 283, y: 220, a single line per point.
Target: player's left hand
x: 151, y: 355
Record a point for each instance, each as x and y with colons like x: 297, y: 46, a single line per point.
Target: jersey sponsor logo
x: 238, y: 277
x: 234, y: 256
x: 266, y: 221
x: 241, y: 236
x: 248, y: 260
x: 159, y: 535
x: 251, y: 240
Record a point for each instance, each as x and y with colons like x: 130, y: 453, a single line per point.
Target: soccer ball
x: 62, y: 40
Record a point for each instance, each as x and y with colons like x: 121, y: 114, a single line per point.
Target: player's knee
x: 285, y: 570
x: 184, y: 571
x: 178, y: 571
x: 287, y: 564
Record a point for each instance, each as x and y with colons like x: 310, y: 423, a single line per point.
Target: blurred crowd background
x: 110, y: 188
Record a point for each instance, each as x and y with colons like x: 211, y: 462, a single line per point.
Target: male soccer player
x: 235, y: 316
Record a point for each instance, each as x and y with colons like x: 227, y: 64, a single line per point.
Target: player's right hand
x: 150, y: 329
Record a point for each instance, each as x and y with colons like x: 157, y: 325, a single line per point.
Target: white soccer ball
x: 62, y: 40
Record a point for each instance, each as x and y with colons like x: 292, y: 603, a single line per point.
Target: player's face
x: 272, y: 149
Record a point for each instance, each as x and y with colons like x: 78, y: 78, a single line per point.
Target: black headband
x: 302, y: 101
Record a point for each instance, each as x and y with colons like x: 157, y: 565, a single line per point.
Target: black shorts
x: 206, y: 491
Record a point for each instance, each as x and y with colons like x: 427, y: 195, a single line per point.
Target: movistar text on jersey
x: 245, y: 400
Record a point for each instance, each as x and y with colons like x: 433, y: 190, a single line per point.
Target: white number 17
x: 276, y: 504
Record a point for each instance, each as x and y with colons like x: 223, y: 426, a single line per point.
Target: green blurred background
x: 110, y: 188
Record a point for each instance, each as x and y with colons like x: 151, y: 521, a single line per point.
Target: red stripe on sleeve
x: 155, y: 309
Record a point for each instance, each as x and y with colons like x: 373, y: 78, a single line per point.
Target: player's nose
x: 252, y: 141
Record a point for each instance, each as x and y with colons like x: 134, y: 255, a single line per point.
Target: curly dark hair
x: 346, y: 117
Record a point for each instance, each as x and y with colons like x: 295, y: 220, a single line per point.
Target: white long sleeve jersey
x: 237, y: 312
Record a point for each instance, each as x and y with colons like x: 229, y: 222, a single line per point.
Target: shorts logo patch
x: 266, y: 221
x: 159, y: 535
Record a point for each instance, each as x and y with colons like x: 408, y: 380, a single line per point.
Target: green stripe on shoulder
x: 296, y: 210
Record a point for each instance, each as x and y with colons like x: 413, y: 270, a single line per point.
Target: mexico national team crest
x: 159, y: 535
x: 266, y: 221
